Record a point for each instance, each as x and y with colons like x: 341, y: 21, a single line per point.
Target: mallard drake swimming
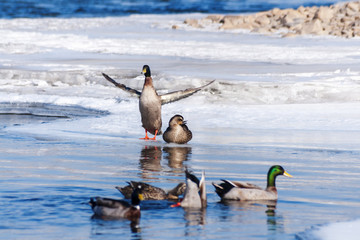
x: 177, y: 132
x: 195, y: 192
x: 150, y: 192
x: 150, y: 102
x: 107, y: 208
x: 229, y: 190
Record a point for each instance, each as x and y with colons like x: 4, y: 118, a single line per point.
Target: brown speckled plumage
x: 177, y: 132
x: 153, y: 193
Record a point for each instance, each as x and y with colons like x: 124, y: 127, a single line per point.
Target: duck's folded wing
x: 177, y: 95
x: 245, y: 185
x: 122, y: 86
x: 109, y: 203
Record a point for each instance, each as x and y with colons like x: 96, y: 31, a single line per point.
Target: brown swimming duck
x: 107, y: 208
x: 150, y: 102
x: 195, y: 192
x: 150, y: 192
x: 229, y: 190
x: 177, y: 132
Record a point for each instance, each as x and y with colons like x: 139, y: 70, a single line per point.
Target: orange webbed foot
x: 146, y: 136
x: 154, y: 138
x: 178, y: 204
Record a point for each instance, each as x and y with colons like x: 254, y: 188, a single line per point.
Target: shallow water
x: 46, y: 186
x: 97, y: 8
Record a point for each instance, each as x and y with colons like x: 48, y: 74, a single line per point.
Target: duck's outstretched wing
x: 177, y: 95
x: 122, y: 86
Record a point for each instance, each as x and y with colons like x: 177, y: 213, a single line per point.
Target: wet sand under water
x: 46, y: 184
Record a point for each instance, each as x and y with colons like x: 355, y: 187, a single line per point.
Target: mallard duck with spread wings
x: 150, y: 102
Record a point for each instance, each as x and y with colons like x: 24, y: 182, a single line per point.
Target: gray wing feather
x: 177, y: 95
x: 245, y: 185
x: 111, y: 203
x: 122, y: 86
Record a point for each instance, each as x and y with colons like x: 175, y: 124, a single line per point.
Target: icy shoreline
x: 337, y: 20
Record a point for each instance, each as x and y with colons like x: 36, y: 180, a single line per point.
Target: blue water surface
x: 100, y: 8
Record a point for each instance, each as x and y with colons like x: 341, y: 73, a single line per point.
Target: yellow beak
x: 141, y: 197
x: 144, y: 70
x: 287, y: 174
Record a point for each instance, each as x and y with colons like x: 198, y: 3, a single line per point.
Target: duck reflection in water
x: 176, y: 156
x: 151, y: 156
x: 100, y: 227
x: 246, y: 205
x: 273, y: 223
x: 150, y: 160
x: 135, y: 227
x: 195, y: 222
x: 195, y: 217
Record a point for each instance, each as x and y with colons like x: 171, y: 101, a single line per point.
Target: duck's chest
x: 149, y: 97
x: 177, y: 132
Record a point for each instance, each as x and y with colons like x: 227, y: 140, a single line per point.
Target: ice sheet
x: 262, y: 82
x: 339, y: 230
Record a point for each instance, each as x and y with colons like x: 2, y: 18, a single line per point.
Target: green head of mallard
x: 146, y: 71
x: 274, y: 171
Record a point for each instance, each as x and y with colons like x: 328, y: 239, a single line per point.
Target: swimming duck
x: 150, y: 192
x: 195, y: 192
x: 177, y: 132
x: 150, y: 102
x: 229, y: 190
x: 107, y: 208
